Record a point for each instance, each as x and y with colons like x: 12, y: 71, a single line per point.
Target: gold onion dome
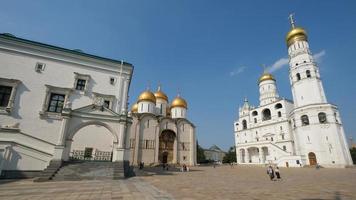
x: 266, y: 76
x: 179, y: 102
x: 160, y: 95
x: 296, y: 33
x: 147, y: 96
x: 134, y: 108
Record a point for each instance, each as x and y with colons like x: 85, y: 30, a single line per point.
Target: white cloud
x: 282, y: 62
x: 278, y: 64
x: 237, y: 71
x: 318, y: 56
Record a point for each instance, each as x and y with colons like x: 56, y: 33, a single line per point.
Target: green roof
x: 11, y: 37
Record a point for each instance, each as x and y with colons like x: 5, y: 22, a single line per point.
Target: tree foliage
x: 353, y: 154
x: 200, y: 154
x: 230, y: 156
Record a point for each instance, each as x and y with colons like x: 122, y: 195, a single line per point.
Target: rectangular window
x: 106, y: 104
x: 56, y: 103
x: 5, y: 93
x: 80, y: 84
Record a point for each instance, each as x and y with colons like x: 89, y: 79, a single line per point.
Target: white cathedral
x: 164, y: 131
x: 307, y: 131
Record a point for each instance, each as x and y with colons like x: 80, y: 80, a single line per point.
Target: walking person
x: 278, y: 174
x: 270, y: 173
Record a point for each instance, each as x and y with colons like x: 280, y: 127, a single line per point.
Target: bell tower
x: 304, y: 75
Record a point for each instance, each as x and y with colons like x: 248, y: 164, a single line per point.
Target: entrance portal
x: 92, y: 143
x: 166, y: 145
x: 312, y: 158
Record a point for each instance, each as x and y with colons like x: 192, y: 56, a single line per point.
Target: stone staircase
x: 90, y: 170
x: 84, y: 170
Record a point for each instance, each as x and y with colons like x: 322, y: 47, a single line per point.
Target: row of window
x: 277, y: 106
x: 304, y: 119
x: 321, y: 116
x: 307, y: 73
x: 266, y: 115
x: 55, y: 103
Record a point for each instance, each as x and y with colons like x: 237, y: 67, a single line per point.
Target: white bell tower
x: 317, y: 127
x: 304, y: 75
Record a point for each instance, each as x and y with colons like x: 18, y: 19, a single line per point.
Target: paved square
x: 222, y: 182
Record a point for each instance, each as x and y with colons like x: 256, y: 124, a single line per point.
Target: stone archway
x: 91, y: 141
x: 312, y: 158
x: 166, y: 146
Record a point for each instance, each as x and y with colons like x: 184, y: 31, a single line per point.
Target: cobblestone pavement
x: 133, y: 188
x: 224, y: 182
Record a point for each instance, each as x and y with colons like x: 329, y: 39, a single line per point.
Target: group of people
x: 184, y: 168
x: 272, y: 173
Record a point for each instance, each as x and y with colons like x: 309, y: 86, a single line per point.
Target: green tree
x: 353, y: 154
x: 200, y: 154
x: 230, y: 156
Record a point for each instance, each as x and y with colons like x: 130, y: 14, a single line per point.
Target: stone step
x: 79, y: 170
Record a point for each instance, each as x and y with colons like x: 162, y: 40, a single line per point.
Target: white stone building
x: 214, y: 153
x: 306, y: 131
x: 57, y: 103
x: 163, y: 132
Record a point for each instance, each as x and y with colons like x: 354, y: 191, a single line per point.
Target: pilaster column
x: 137, y: 144
x: 260, y: 151
x: 60, y: 149
x: 156, y: 159
x: 193, y: 156
x: 247, y: 156
x: 124, y: 96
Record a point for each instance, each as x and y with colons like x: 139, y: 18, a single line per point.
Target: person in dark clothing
x: 278, y: 173
x: 270, y: 173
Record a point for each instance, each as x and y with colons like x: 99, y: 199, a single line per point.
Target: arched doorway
x: 166, y: 146
x: 92, y: 143
x: 312, y: 158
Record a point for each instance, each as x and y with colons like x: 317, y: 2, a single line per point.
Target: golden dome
x: 134, y: 108
x: 179, y: 102
x: 147, y: 96
x: 266, y: 76
x: 296, y: 34
x: 160, y: 95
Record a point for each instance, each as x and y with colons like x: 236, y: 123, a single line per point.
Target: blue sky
x: 211, y: 51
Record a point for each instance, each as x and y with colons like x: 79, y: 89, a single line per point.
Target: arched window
x: 254, y: 113
x: 278, y: 106
x: 298, y: 76
x: 322, y: 117
x: 284, y: 148
x: 244, y: 124
x: 308, y: 73
x: 305, y: 120
x: 255, y: 120
x: 279, y: 114
x: 266, y: 114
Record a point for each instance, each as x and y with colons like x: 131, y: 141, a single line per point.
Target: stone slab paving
x: 224, y: 182
x: 134, y: 188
